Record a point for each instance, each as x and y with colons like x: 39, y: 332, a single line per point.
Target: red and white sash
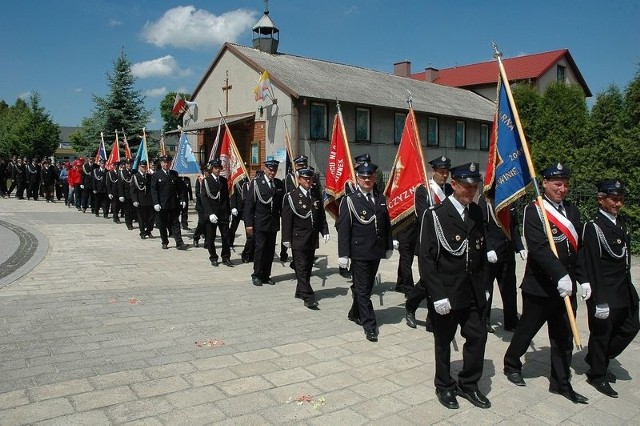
x: 562, y: 223
x: 436, y: 193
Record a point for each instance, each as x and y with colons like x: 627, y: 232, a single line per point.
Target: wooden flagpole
x: 532, y: 172
x: 344, y: 137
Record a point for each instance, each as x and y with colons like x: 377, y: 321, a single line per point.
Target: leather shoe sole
x: 182, y: 247
x: 311, y: 304
x: 256, y: 281
x: 269, y: 281
x: 571, y: 395
x: 475, y: 397
x: 604, y: 388
x: 214, y: 263
x: 165, y: 247
x: 515, y: 378
x: 448, y: 399
x: 228, y: 263
x: 411, y: 319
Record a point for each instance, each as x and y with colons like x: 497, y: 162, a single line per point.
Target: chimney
x: 431, y: 74
x: 402, y: 69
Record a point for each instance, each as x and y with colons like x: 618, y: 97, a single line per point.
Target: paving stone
x: 119, y: 378
x: 195, y: 396
x: 13, y: 399
x: 102, y: 398
x: 36, y: 411
x: 93, y: 418
x: 57, y: 390
x: 285, y: 377
x: 379, y: 407
x: 159, y: 387
x: 138, y: 409
x: 244, y: 385
x: 204, y: 414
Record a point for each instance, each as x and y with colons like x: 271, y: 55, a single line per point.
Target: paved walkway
x: 110, y: 329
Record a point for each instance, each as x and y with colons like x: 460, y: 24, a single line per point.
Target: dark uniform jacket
x: 87, y: 175
x: 290, y: 181
x: 214, y: 197
x: 19, y: 174
x: 495, y: 237
x: 198, y: 186
x: 303, y: 217
x: 264, y: 205
x: 239, y: 196
x: 167, y: 189
x: 141, y: 189
x: 604, y: 259
x: 544, y: 269
x: 33, y: 174
x: 124, y: 184
x: 99, y: 180
x: 458, y: 276
x: 49, y: 176
x: 364, y: 229
x: 112, y: 183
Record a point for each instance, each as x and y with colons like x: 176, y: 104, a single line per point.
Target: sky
x: 64, y: 49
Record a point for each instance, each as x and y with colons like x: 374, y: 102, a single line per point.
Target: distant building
x: 65, y: 151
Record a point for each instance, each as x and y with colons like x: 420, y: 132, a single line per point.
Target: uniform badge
x: 478, y: 246
x: 364, y: 212
x: 304, y: 206
x: 299, y: 201
x: 457, y: 237
x: 618, y: 241
x: 554, y: 231
x: 472, y: 167
x: 559, y: 166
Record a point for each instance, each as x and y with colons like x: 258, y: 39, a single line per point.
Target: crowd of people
x: 461, y: 250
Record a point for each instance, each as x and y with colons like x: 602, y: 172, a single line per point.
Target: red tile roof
x: 520, y: 68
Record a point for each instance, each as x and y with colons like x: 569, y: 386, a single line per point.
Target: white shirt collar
x: 609, y: 216
x: 459, y: 207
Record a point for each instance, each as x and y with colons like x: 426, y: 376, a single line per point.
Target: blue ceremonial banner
x: 142, y: 152
x: 185, y: 161
x: 507, y: 175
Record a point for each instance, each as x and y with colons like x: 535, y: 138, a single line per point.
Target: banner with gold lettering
x: 407, y: 172
x: 339, y: 167
x: 507, y: 176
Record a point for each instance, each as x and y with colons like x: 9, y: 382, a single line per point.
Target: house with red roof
x: 538, y: 69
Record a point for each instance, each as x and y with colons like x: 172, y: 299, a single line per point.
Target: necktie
x: 561, y: 210
x: 465, y: 215
x: 369, y: 198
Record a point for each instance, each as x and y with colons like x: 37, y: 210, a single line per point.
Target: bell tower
x: 265, y: 33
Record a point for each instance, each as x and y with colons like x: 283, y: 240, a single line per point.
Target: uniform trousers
x: 116, y: 205
x: 233, y: 227
x: 224, y: 238
x: 415, y: 296
x: 609, y: 337
x: 265, y: 248
x: 88, y: 198
x: 363, y: 273
x: 249, y: 248
x: 146, y: 218
x: 474, y: 331
x: 184, y: 216
x: 168, y: 218
x: 101, y: 200
x: 127, y: 209
x: 303, y: 264
x: 406, y: 250
x: 33, y: 190
x: 505, y: 273
x: 537, y: 310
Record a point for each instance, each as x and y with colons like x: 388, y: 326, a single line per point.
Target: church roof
x: 317, y: 79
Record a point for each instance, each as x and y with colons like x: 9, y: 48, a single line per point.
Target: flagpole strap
x: 293, y: 209
x: 208, y: 191
x: 443, y: 240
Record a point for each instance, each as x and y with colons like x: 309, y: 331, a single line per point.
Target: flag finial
x: 496, y: 53
x: 409, y: 99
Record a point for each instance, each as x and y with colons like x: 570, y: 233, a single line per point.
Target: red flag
x: 178, y: 106
x: 114, y: 157
x: 232, y: 165
x: 339, y: 167
x: 408, y: 172
x: 127, y: 150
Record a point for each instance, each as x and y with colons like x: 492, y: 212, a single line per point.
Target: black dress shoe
x: 604, y: 387
x: 311, y: 304
x: 371, y: 336
x: 475, y: 397
x: 354, y: 319
x: 284, y: 257
x: 490, y: 329
x: 515, y: 377
x: 165, y: 247
x: 411, y: 318
x: 214, y: 262
x: 448, y: 399
x: 256, y: 281
x: 570, y: 394
x: 182, y: 246
x: 269, y: 281
x: 143, y: 237
x: 610, y: 377
x: 117, y: 221
x: 227, y: 262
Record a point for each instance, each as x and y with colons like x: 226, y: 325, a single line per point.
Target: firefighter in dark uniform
x: 85, y: 184
x: 19, y: 177
x: 33, y: 179
x: 425, y: 197
x: 201, y: 227
x: 236, y: 202
x: 99, y: 188
x: 547, y: 280
x: 214, y: 196
x: 605, y: 260
x: 142, y: 200
x: 452, y: 262
x: 168, y: 197
x: 501, y: 250
x: 364, y: 238
x: 262, y: 220
x: 113, y: 190
x: 303, y: 218
x: 184, y: 211
x: 124, y: 193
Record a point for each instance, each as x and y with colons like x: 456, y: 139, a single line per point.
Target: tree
x: 122, y: 108
x: 171, y: 122
x: 528, y: 102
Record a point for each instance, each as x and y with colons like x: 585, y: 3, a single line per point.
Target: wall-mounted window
x: 484, y: 137
x: 461, y: 140
x: 432, y: 131
x: 398, y: 126
x: 319, y: 124
x: 363, y: 125
x: 561, y: 74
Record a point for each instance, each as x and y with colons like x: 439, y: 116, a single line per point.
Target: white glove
x: 157, y: 207
x: 396, y: 244
x: 234, y: 212
x: 565, y: 286
x: 81, y: 186
x: 95, y: 192
x: 326, y: 237
x: 442, y: 306
x: 111, y: 196
x: 183, y: 204
x: 492, y: 257
x: 602, y: 311
x: 586, y: 291
x: 121, y: 199
x: 523, y: 254
x: 213, y: 218
x: 388, y: 254
x: 136, y: 204
x: 343, y: 262
x: 287, y: 244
